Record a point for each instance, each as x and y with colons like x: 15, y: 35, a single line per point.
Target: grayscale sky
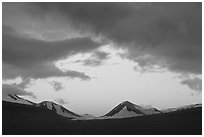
x: 89, y: 57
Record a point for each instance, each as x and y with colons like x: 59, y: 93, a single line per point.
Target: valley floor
x: 18, y: 119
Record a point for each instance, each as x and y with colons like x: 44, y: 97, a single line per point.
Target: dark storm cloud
x: 97, y: 58
x: 34, y: 58
x: 99, y: 15
x: 39, y: 71
x: 27, y: 53
x: 167, y: 35
x: 14, y: 89
x: 100, y: 55
x: 193, y: 83
x: 92, y: 62
x: 170, y: 32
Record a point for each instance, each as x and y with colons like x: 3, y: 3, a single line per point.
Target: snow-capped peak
x: 128, y: 109
x: 58, y: 109
x: 128, y: 103
x: 16, y: 99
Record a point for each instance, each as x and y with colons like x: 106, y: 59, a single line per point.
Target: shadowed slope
x: 20, y: 119
x: 128, y: 108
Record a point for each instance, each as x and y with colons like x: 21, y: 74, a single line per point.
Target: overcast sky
x: 90, y: 57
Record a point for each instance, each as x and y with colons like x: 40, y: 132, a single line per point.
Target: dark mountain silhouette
x: 24, y: 119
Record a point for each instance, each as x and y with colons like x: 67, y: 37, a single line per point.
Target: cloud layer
x: 35, y: 35
x: 96, y: 58
x: 193, y: 83
x: 170, y: 32
x: 14, y: 89
x: 35, y: 58
x: 56, y: 85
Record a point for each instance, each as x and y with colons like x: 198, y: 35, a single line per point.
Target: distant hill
x: 54, y: 107
x: 24, y: 119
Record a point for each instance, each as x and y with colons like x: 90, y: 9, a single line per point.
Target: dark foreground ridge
x: 20, y: 119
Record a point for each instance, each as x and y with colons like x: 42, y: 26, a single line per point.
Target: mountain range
x: 123, y: 110
x: 23, y: 117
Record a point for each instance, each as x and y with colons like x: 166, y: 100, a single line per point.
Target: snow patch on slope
x: 15, y: 99
x: 128, y: 109
x: 125, y: 113
x: 181, y: 108
x: 60, y: 110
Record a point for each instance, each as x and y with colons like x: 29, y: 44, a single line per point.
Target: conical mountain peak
x: 128, y: 109
x: 59, y: 109
x: 129, y: 104
x: 126, y: 102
